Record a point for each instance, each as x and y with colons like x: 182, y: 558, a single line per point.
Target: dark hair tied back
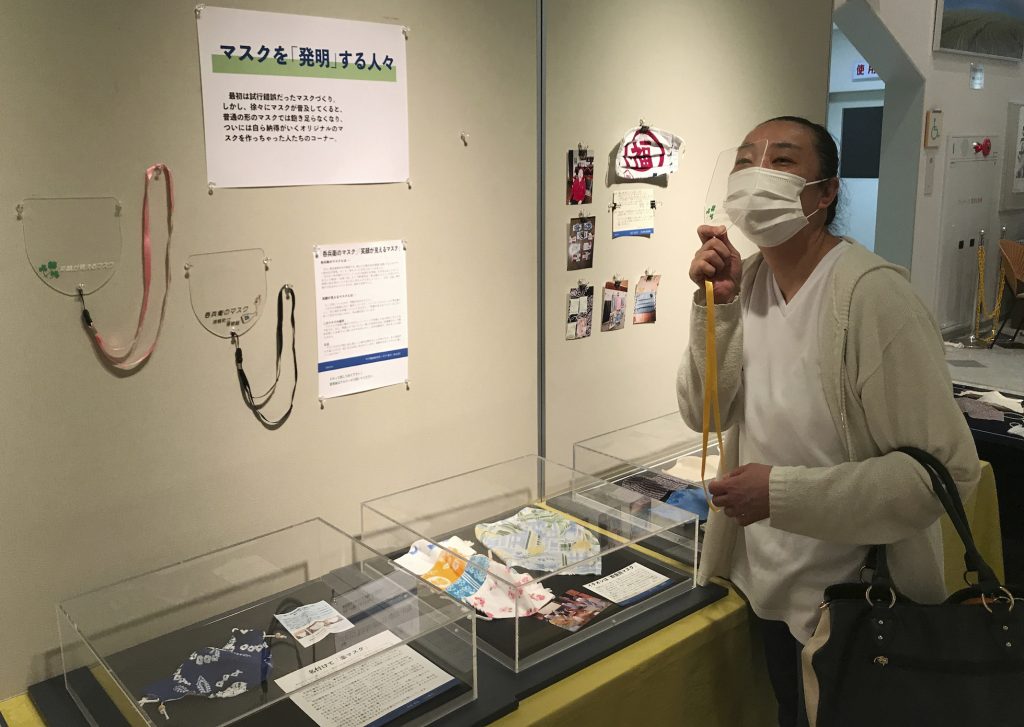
x: 828, y: 155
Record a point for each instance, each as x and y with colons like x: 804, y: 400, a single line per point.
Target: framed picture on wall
x: 992, y: 28
x: 1013, y: 172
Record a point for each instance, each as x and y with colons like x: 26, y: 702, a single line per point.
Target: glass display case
x: 548, y: 556
x: 302, y: 626
x: 661, y: 459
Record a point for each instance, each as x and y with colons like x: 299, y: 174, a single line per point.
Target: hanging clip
x: 643, y: 125
x: 20, y: 209
x: 238, y: 350
x: 199, y: 10
x: 616, y: 279
x: 210, y: 187
x: 86, y: 318
x: 465, y: 138
x: 321, y: 399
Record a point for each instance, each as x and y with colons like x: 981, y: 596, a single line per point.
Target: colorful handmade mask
x: 243, y: 662
x: 506, y: 594
x: 542, y: 540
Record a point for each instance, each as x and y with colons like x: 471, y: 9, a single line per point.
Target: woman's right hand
x: 717, y: 261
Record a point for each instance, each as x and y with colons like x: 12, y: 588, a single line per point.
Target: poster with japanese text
x: 362, y: 317
x: 296, y: 100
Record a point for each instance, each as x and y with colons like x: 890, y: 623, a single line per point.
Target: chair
x: 1013, y: 268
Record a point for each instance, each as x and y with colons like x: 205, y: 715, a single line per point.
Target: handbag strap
x: 948, y: 494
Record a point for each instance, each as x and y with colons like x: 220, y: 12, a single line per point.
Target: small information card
x: 633, y: 583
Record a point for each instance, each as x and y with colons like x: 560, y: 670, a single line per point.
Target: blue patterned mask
x: 232, y: 669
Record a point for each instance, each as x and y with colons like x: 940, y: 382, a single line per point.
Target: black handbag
x: 878, y: 658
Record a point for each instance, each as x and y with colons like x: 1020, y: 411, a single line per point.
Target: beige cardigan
x: 887, y: 385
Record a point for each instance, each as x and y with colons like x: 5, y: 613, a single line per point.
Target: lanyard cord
x: 710, y: 391
x: 243, y: 380
x: 127, y: 361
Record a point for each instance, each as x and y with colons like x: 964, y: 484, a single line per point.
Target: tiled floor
x: 994, y: 368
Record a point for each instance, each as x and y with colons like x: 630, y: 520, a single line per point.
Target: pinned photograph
x: 580, y: 251
x: 579, y: 176
x: 613, y: 311
x: 645, y: 300
x: 580, y: 315
x: 572, y: 611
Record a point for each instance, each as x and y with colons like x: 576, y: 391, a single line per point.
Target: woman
x: 828, y: 362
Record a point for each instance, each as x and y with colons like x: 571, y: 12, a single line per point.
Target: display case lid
x: 655, y: 443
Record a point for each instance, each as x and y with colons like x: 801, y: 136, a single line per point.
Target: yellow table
x: 707, y: 669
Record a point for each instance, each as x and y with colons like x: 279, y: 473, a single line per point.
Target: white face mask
x: 765, y: 204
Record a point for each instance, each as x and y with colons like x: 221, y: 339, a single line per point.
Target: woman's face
x: 786, y: 146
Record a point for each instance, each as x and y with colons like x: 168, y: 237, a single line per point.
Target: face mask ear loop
x: 710, y: 392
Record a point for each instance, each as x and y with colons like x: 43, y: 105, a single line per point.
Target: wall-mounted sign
x: 862, y: 71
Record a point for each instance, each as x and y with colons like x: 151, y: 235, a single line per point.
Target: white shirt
x: 786, y: 422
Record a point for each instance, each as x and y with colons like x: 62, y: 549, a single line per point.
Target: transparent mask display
x: 730, y: 161
x: 762, y: 194
x: 228, y: 289
x: 72, y: 243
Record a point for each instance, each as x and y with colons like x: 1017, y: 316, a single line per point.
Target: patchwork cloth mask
x: 423, y: 554
x: 243, y: 662
x: 504, y: 592
x: 472, y: 579
x: 542, y: 540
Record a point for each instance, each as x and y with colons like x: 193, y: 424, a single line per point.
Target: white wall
x: 105, y: 477
x: 844, y: 57
x: 708, y: 71
x: 965, y: 112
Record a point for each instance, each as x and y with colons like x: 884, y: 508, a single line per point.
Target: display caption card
x: 633, y: 583
x: 362, y: 317
x: 365, y: 691
x: 633, y: 213
x: 310, y: 624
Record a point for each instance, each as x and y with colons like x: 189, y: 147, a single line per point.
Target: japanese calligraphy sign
x: 297, y: 100
x: 361, y: 316
x: 647, y: 152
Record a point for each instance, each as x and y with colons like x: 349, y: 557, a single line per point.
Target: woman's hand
x: 743, y: 493
x: 717, y: 261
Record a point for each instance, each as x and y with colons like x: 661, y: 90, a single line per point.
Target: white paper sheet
x: 627, y: 584
x: 296, y: 99
x: 313, y: 622
x: 633, y: 213
x: 361, y: 317
x: 368, y: 690
x: 337, y: 661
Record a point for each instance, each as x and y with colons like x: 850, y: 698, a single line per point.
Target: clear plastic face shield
x: 729, y: 162
x: 756, y: 190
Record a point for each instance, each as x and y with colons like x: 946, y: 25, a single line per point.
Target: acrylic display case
x: 558, y: 530
x: 661, y: 458
x: 403, y: 653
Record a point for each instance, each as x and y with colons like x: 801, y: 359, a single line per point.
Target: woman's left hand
x: 743, y: 493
